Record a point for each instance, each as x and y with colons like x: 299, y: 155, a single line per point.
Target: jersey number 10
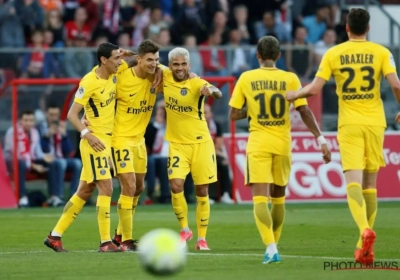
x: 277, y: 105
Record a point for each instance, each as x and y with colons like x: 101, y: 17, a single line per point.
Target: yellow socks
x: 278, y: 216
x: 71, y: 210
x: 357, y: 206
x: 103, y: 217
x: 372, y: 206
x: 125, y: 223
x: 180, y: 208
x: 202, y: 216
x: 263, y: 219
x: 135, y: 201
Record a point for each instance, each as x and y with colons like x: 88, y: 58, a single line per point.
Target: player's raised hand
x: 326, y: 153
x: 158, y: 77
x: 94, y: 142
x: 206, y: 91
x: 291, y: 96
x: 398, y: 118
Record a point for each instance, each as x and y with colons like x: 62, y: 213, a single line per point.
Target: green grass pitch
x: 312, y: 234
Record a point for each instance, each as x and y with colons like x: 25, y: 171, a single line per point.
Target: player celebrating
x: 136, y: 97
x: 96, y: 95
x: 269, y: 146
x: 357, y: 67
x: 191, y: 147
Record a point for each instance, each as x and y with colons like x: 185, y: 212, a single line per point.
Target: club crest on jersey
x: 152, y: 90
x: 103, y: 172
x: 122, y: 164
x: 183, y: 91
x: 115, y: 79
x: 169, y: 171
x: 79, y: 93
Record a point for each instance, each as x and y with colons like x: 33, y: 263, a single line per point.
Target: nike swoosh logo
x: 203, y: 220
x: 210, y: 177
x: 102, y: 91
x: 130, y: 95
x: 178, y: 213
x: 108, y: 213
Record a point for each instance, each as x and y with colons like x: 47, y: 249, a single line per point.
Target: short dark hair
x: 26, y: 113
x: 148, y: 46
x: 268, y: 47
x: 358, y: 21
x: 52, y: 105
x: 105, y: 49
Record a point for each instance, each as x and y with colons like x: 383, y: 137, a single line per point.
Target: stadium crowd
x: 218, y: 33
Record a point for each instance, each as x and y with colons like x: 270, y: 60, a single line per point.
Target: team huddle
x: 118, y: 97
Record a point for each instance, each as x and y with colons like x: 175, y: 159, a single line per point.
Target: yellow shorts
x: 199, y: 159
x: 361, y: 147
x: 263, y: 167
x: 95, y: 165
x: 127, y: 156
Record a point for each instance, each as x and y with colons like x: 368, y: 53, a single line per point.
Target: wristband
x: 83, y: 132
x: 321, y: 140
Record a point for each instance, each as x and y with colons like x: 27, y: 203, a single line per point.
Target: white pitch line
x: 209, y: 254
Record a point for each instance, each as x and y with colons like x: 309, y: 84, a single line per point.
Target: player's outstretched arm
x: 73, y: 117
x: 237, y: 114
x: 311, y: 89
x: 129, y: 57
x: 395, y: 85
x: 309, y: 120
x: 213, y: 91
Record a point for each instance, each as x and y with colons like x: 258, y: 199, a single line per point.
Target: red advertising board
x: 311, y: 180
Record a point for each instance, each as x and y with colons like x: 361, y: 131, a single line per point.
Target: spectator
x: 311, y: 7
x: 38, y: 63
x: 284, y: 16
x: 11, y: 30
x: 316, y: 24
x: 190, y: 18
x: 30, y: 14
x: 269, y: 26
x: 219, y: 25
x: 214, y: 60
x: 224, y: 178
x: 299, y: 55
x: 55, y: 24
x: 49, y: 5
x: 164, y: 39
x: 140, y: 21
x: 78, y: 27
x: 239, y: 56
x: 126, y: 13
x: 111, y: 19
x: 31, y: 158
x: 341, y: 27
x: 157, y: 149
x: 11, y: 34
x: 78, y: 62
x: 124, y: 41
x: 196, y: 63
x: 92, y: 10
x: 56, y: 142
x: 241, y: 22
x: 156, y: 24
x: 323, y: 45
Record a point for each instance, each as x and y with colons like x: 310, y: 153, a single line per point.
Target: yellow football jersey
x: 184, y: 105
x: 357, y: 67
x: 97, y: 96
x: 135, y: 102
x: 264, y: 92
